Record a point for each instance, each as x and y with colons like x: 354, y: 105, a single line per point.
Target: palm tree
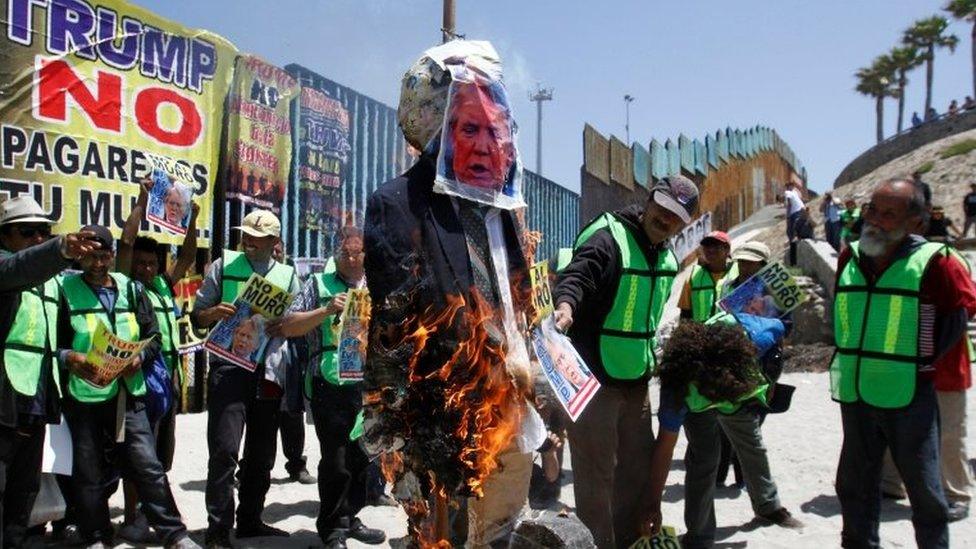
x: 903, y: 59
x: 966, y: 10
x: 926, y: 35
x: 877, y: 81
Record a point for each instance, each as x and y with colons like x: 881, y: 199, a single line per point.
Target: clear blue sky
x: 693, y: 66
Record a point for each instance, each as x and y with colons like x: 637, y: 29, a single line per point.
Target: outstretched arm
x: 188, y: 253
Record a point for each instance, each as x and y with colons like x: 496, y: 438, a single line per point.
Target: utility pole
x: 448, y: 29
x: 541, y: 94
x: 628, y: 99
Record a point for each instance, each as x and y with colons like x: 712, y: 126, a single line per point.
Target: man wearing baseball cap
x: 29, y: 261
x: 700, y: 294
x: 616, y: 285
x: 238, y: 398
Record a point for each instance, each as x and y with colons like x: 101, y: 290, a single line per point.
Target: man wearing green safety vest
x: 237, y: 397
x: 700, y: 294
x: 335, y: 402
x: 900, y: 304
x: 615, y: 289
x: 113, y: 416
x: 849, y: 222
x: 29, y: 379
x: 140, y: 258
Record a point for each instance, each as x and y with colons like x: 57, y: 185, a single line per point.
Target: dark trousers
x: 232, y: 405
x: 912, y: 434
x: 832, y: 230
x: 292, y: 425
x: 342, y: 469
x: 609, y: 476
x: 20, y: 476
x: 97, y: 455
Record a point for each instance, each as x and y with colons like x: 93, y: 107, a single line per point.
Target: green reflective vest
x: 85, y: 310
x: 164, y: 306
x: 628, y: 334
x: 698, y: 403
x: 32, y: 337
x: 847, y: 220
x: 876, y: 329
x: 328, y: 285
x: 705, y: 293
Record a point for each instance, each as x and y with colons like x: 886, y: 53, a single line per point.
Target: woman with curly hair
x: 712, y: 382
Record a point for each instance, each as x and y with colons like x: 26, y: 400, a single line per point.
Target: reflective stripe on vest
x: 628, y: 334
x: 32, y: 338
x: 327, y: 286
x: 85, y: 311
x: 876, y: 331
x: 164, y: 306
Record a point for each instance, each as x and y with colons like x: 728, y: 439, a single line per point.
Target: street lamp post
x: 541, y: 94
x: 628, y: 99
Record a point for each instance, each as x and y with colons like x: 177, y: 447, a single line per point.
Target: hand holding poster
x: 771, y: 293
x: 241, y: 338
x: 170, y: 202
x: 109, y: 356
x: 354, y: 324
x: 570, y: 378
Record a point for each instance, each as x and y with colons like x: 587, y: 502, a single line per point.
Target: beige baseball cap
x: 261, y: 223
x: 22, y: 209
x: 751, y: 251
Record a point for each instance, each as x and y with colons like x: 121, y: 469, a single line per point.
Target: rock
x: 548, y: 529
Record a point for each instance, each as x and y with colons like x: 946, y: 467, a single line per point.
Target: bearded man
x: 900, y: 304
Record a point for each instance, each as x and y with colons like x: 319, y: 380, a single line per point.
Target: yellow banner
x: 90, y: 91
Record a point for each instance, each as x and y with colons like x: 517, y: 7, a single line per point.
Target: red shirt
x: 946, y: 289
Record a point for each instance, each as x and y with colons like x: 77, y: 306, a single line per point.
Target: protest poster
x: 667, y: 538
x: 570, y: 378
x: 687, y: 241
x: 771, y: 293
x: 170, y: 202
x: 109, y: 356
x: 323, y: 149
x: 259, y: 133
x: 191, y: 339
x: 307, y: 266
x: 241, y: 338
x: 90, y: 90
x: 353, y: 327
x: 541, y: 293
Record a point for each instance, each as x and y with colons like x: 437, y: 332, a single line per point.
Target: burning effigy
x: 446, y: 378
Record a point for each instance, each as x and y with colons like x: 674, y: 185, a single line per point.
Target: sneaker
x: 218, y: 540
x: 138, y: 532
x: 302, y: 477
x: 183, y: 543
x: 359, y: 532
x: 958, y: 510
x: 382, y: 500
x: 782, y: 517
x: 259, y: 530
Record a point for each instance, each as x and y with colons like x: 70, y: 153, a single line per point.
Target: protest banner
x: 323, y: 148
x: 241, y: 338
x: 191, y: 339
x: 90, y: 91
x: 354, y: 323
x: 170, y: 202
x: 687, y: 241
x: 109, y: 356
x: 259, y: 133
x: 771, y: 293
x: 307, y: 266
x: 667, y: 538
x: 541, y: 293
x: 570, y: 378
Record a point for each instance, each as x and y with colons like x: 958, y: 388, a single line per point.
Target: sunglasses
x: 30, y: 232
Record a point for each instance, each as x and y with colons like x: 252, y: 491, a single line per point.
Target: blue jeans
x: 912, y: 433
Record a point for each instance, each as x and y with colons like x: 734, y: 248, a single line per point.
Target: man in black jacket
x: 617, y: 283
x: 29, y: 261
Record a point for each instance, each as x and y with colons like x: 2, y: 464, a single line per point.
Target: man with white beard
x: 900, y: 303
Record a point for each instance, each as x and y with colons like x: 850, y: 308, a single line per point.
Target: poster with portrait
x: 241, y: 338
x: 109, y: 356
x: 570, y: 378
x: 478, y: 158
x: 170, y: 202
x: 354, y: 324
x: 770, y: 293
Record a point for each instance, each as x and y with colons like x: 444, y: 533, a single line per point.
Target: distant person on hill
x: 830, y: 208
x: 923, y: 186
x: 916, y: 120
x: 802, y: 229
x: 968, y: 103
x: 850, y: 227
x: 940, y: 226
x: 931, y: 114
x: 969, y: 209
x: 794, y: 205
x: 953, y: 108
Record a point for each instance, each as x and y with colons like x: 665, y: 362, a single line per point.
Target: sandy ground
x: 804, y: 445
